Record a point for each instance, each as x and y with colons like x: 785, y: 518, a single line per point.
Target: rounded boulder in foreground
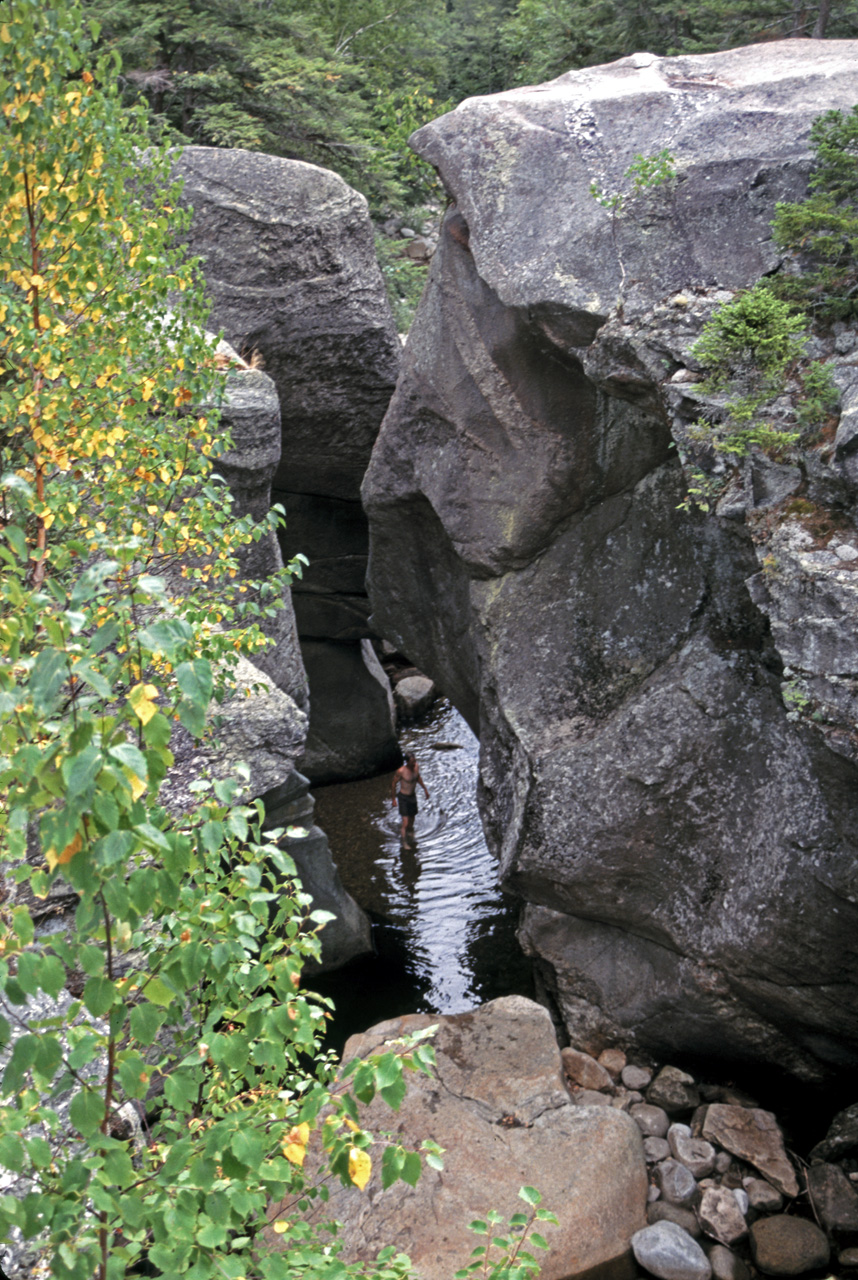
x: 787, y: 1246
x: 669, y: 1253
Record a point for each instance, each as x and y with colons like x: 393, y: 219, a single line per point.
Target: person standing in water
x: 407, y: 777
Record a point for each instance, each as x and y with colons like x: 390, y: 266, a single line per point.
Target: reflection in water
x: 444, y: 933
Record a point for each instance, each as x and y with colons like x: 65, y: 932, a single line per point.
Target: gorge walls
x: 288, y: 258
x: 684, y: 839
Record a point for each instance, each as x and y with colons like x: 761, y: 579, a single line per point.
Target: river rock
x: 727, y: 1265
x: 652, y: 1121
x: 686, y: 851
x: 289, y: 263
x: 673, y: 1090
x: 498, y: 1104
x: 584, y: 1070
x: 414, y: 695
x: 613, y: 1060
x: 635, y: 1077
x: 753, y: 1135
x: 668, y: 1252
x: 720, y: 1215
x: 762, y: 1196
x: 842, y: 1136
x: 786, y: 1246
x: 676, y: 1183
x: 834, y: 1199
x: 695, y: 1153
x: 655, y: 1149
x: 664, y: 1211
x: 592, y: 1098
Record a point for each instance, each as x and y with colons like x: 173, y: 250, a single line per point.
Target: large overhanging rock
x: 289, y: 262
x: 686, y: 842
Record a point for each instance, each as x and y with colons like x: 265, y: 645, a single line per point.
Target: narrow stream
x: 443, y: 931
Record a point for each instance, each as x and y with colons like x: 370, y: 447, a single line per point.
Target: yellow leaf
x: 280, y: 1228
x: 140, y: 698
x: 5, y: 35
x: 300, y: 1133
x: 294, y: 1153
x: 360, y: 1167
x: 148, y: 388
x: 55, y: 860
x: 138, y: 786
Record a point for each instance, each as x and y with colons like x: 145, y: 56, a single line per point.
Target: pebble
x: 720, y: 1216
x: 848, y: 1257
x: 726, y: 1265
x: 788, y: 1246
x: 673, y: 1090
x: 613, y: 1060
x: 723, y: 1160
x: 661, y: 1211
x: 584, y: 1070
x: 591, y: 1098
x: 635, y: 1077
x: 696, y: 1154
x: 655, y: 1149
x: 676, y: 1183
x: 652, y: 1121
x: 834, y: 1199
x: 669, y: 1253
x: 762, y: 1196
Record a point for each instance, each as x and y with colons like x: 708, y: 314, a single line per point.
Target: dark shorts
x: 407, y: 805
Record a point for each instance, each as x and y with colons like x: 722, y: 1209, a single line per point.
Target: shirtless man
x: 407, y: 777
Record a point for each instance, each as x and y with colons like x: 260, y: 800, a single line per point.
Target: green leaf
x: 394, y: 1094
x: 99, y: 994
x: 87, y: 1112
x: 530, y: 1195
x: 11, y: 1152
x: 146, y: 1020
x: 158, y: 992
x: 392, y: 1161
x: 411, y: 1169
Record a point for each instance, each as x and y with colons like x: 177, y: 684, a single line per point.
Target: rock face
x: 498, y: 1105
x: 686, y: 842
x: 290, y: 267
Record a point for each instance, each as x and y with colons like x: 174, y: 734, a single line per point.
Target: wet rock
x: 497, y: 1062
x: 720, y: 1215
x: 673, y: 1090
x: 753, y: 1135
x: 664, y: 1211
x: 834, y: 1199
x: 414, y: 695
x: 842, y: 1137
x: 696, y: 1154
x: 652, y: 1121
x: 727, y: 1265
x: 785, y: 1246
x: 762, y: 1196
x: 676, y: 1183
x: 656, y: 1149
x: 669, y: 1253
x: 613, y: 1060
x: 635, y: 1077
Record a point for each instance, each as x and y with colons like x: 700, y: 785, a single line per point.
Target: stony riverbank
x: 651, y: 1172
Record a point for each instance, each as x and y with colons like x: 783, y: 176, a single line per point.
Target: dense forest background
x: 343, y: 83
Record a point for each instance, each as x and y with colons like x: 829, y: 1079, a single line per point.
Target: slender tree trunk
x: 821, y: 20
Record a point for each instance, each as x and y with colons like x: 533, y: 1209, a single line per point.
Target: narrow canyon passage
x: 444, y: 932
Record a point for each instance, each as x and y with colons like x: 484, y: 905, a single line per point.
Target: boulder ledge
x: 687, y: 844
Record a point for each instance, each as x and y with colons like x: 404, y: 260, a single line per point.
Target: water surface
x: 444, y: 933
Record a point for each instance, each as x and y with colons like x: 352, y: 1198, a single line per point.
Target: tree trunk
x: 821, y: 19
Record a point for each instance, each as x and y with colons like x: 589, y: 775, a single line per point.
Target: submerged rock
x: 686, y: 845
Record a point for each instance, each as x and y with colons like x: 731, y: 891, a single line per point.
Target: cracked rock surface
x: 683, y: 833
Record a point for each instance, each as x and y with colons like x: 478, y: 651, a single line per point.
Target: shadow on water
x: 444, y: 934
